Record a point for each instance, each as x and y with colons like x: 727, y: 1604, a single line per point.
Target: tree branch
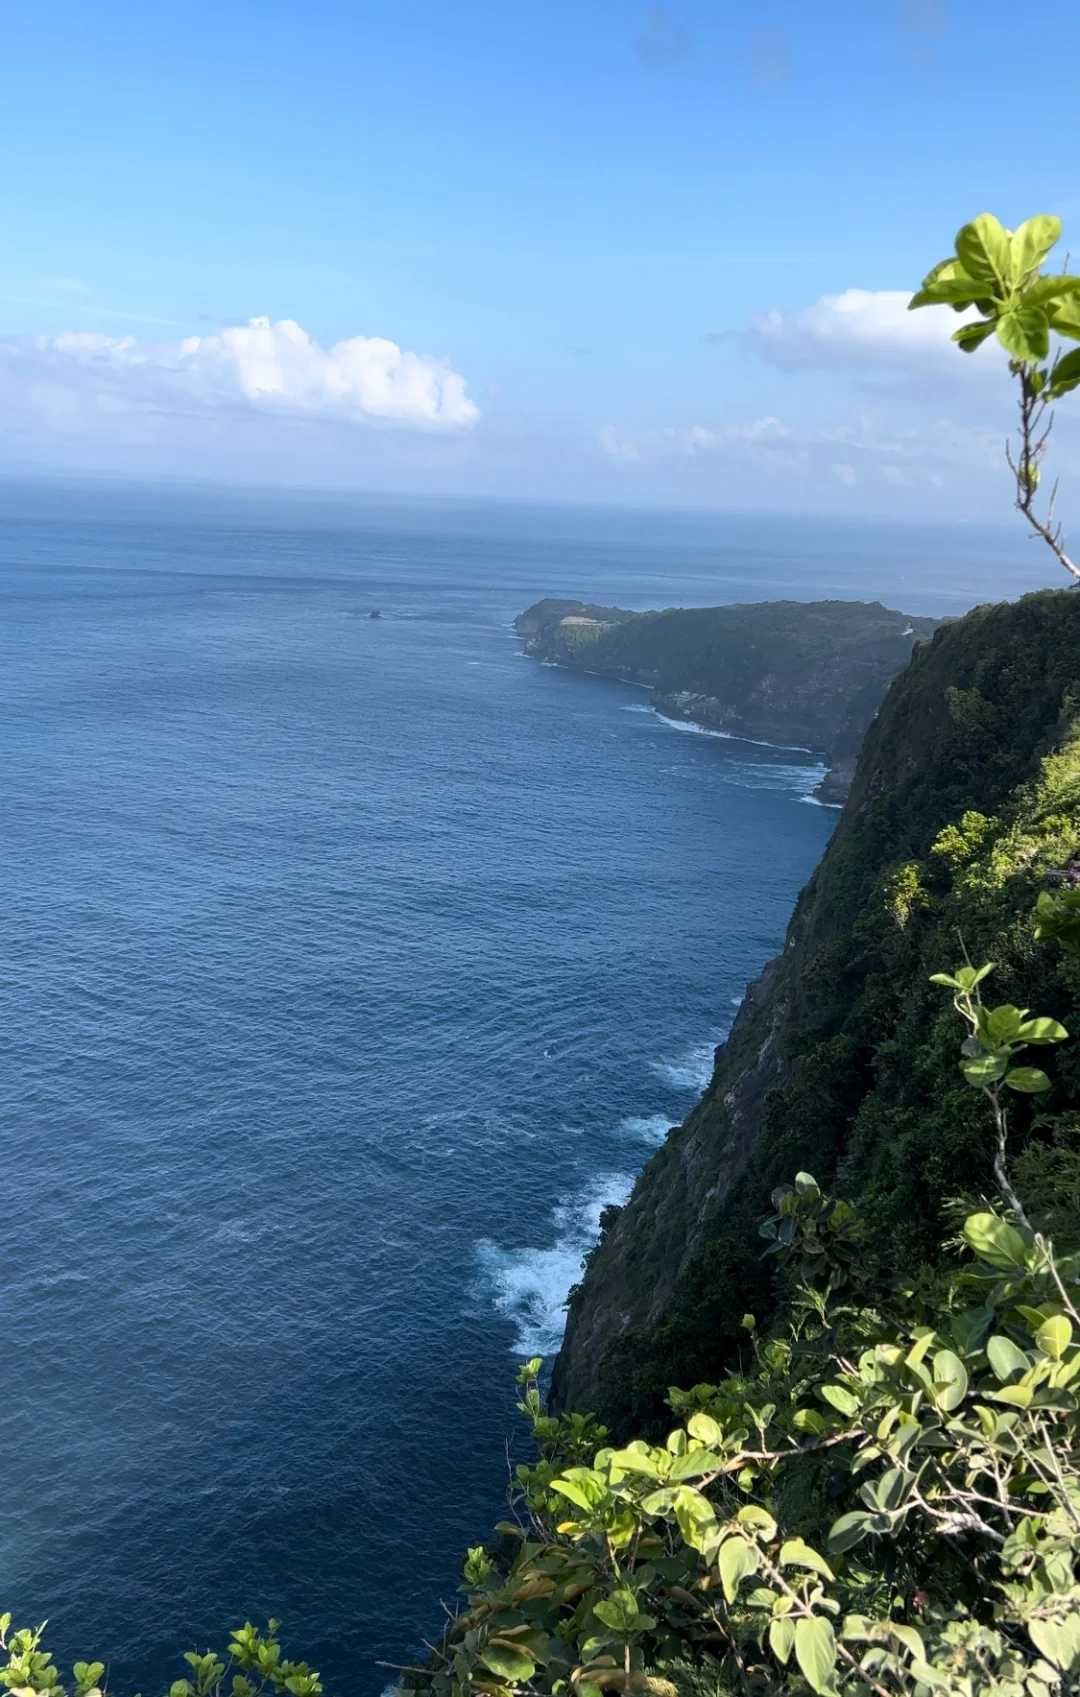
x: 1025, y: 469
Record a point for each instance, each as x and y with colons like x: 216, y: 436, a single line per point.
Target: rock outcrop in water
x: 798, y: 674
x: 842, y: 1061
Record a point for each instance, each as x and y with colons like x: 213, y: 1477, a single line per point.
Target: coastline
x: 688, y: 722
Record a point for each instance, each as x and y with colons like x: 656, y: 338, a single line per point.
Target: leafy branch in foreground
x: 998, y: 272
x: 995, y: 1037
x: 253, y: 1666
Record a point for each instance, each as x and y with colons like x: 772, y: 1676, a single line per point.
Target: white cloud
x: 874, y: 451
x: 863, y: 326
x: 617, y: 446
x: 703, y: 439
x: 690, y: 439
x: 86, y: 345
x: 270, y: 367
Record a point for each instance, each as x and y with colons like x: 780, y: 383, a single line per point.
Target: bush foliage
x: 957, y: 823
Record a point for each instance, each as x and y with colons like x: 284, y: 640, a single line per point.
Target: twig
x: 1034, y: 437
x: 1001, y: 1171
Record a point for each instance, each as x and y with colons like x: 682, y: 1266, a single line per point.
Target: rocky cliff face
x: 799, y: 674
x: 842, y: 1060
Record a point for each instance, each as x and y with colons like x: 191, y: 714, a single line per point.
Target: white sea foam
x: 690, y: 1071
x: 647, y: 1128
x: 752, y: 775
x: 815, y: 801
x: 727, y: 736
x: 529, y: 1286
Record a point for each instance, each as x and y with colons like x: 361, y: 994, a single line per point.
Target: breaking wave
x: 529, y: 1286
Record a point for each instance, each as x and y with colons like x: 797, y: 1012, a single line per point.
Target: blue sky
x: 581, y: 251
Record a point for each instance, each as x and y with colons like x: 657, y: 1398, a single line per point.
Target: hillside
x: 800, y: 674
x: 966, y: 801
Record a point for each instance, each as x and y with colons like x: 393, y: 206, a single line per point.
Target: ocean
x: 350, y: 967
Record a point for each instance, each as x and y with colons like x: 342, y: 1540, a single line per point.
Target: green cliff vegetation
x: 966, y: 804
x: 806, y: 674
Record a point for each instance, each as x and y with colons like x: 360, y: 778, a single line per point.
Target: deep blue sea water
x: 349, y: 968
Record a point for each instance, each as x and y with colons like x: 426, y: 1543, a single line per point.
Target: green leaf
x: 737, y: 1560
x: 945, y: 978
x: 968, y: 976
x: 924, y: 1338
x: 995, y: 1242
x: 806, y: 1186
x: 1031, y: 243
x: 1046, y: 1030
x: 1066, y: 373
x: 1014, y: 1396
x: 969, y: 1328
x: 815, y: 1651
x: 948, y: 291
x: 1028, y: 1080
x: 950, y: 1380
x: 840, y: 1398
x: 891, y: 1489
x: 848, y: 1531
x: 508, y: 1663
x: 1058, y: 1639
x: 1004, y: 1357
x: 759, y: 1519
x: 1045, y: 290
x: 582, y: 1486
x: 969, y: 337
x: 794, y: 1553
x: 1024, y: 332
x: 1064, y: 315
x: 945, y: 271
x: 693, y: 1463
x: 703, y: 1426
x: 984, y: 1070
x: 1054, y: 1336
x: 782, y: 1638
x: 659, y: 1502
x: 1034, y: 1316
x: 910, y: 1638
x: 982, y: 248
x: 619, y: 1611
x: 635, y: 1458
x: 1003, y: 1023
x: 696, y: 1517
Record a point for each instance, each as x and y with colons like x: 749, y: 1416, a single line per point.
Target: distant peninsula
x: 800, y: 674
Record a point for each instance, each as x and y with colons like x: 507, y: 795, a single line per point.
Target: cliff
x: 800, y: 674
x: 842, y: 1060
